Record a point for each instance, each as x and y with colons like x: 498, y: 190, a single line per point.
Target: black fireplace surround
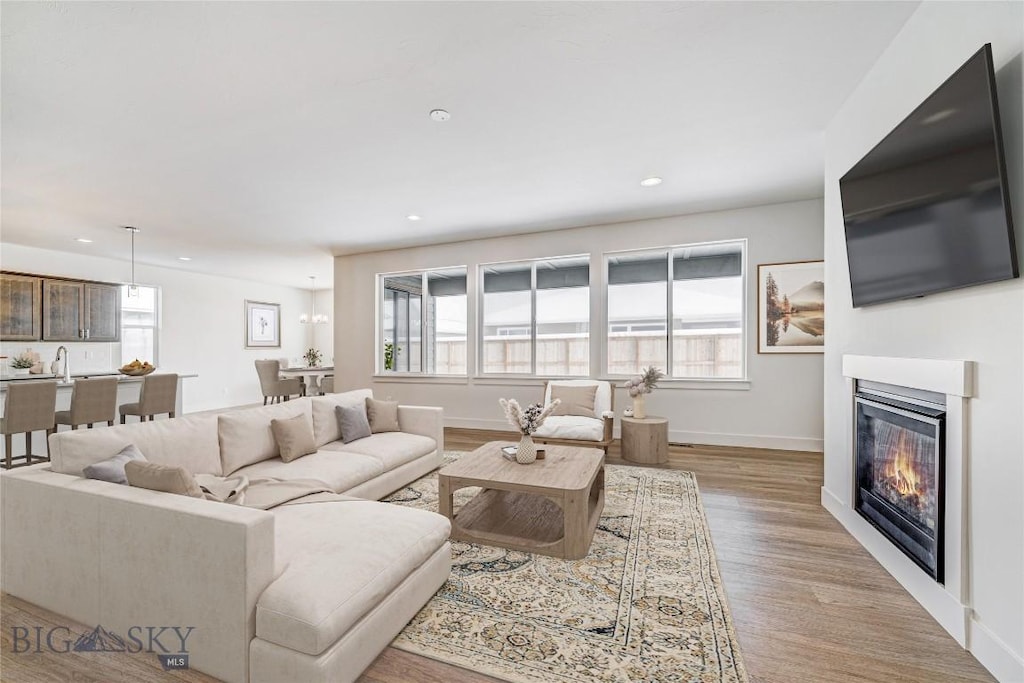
x: 900, y: 472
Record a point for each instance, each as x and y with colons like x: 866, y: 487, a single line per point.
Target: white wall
x: 984, y: 324
x: 202, y: 323
x: 781, y: 408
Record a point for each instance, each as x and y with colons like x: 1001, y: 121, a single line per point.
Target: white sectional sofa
x: 307, y: 592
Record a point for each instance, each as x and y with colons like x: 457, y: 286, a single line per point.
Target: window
x: 423, y: 322
x: 703, y: 307
x: 140, y: 324
x: 536, y: 317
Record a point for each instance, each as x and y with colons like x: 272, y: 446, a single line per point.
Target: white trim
x: 717, y: 383
x: 952, y: 377
x: 415, y: 378
x: 782, y: 443
x: 995, y: 655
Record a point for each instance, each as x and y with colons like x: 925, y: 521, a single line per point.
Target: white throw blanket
x: 265, y: 493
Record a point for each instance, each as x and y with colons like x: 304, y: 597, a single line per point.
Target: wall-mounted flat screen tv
x: 927, y: 209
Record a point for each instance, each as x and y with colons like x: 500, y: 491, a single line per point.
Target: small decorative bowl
x: 136, y: 372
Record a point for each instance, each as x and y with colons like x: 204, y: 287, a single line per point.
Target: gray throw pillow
x: 383, y: 415
x: 294, y: 437
x: 352, y: 422
x: 112, y: 469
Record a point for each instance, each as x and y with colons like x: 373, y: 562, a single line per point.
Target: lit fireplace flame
x: 900, y: 470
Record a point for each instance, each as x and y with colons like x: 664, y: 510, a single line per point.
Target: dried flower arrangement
x: 645, y: 382
x: 527, y: 420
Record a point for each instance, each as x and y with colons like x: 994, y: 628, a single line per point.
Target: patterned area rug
x: 646, y: 604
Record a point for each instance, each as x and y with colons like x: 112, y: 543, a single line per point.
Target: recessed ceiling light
x: 413, y: 217
x: 651, y: 182
x: 184, y: 258
x: 439, y: 115
x: 83, y: 240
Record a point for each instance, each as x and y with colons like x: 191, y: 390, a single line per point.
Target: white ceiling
x: 259, y: 138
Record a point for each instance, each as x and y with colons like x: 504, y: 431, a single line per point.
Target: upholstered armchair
x: 274, y: 388
x: 585, y: 416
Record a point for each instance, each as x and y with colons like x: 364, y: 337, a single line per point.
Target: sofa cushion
x: 294, y: 436
x: 245, y: 435
x: 574, y: 400
x: 353, y: 423
x: 571, y: 427
x: 189, y: 441
x: 340, y: 565
x: 391, y: 449
x: 149, y: 475
x: 112, y: 469
x: 325, y: 421
x: 340, y: 471
x: 383, y: 415
x: 602, y: 398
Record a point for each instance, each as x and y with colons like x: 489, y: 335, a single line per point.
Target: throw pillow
x: 352, y: 422
x: 112, y: 469
x: 383, y: 415
x: 294, y: 437
x: 578, y: 400
x: 149, y: 475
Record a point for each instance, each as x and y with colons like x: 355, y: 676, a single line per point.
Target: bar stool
x: 159, y: 394
x: 327, y: 384
x: 92, y: 400
x: 30, y: 407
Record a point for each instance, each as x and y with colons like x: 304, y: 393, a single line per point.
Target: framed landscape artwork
x: 791, y: 307
x: 262, y: 325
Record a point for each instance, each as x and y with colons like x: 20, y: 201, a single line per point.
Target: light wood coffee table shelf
x: 550, y: 507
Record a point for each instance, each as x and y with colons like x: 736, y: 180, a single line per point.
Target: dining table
x: 311, y: 376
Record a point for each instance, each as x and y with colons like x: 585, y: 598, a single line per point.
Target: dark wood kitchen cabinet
x: 81, y: 311
x: 20, y: 307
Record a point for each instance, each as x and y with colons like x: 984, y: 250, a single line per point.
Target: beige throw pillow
x: 149, y: 475
x: 383, y: 415
x: 574, y: 400
x: 294, y: 437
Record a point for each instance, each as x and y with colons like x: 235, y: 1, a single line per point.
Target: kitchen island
x: 127, y: 392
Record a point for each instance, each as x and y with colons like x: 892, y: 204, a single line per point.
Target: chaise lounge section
x: 309, y: 591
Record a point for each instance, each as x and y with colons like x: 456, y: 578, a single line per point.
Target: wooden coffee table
x: 550, y: 507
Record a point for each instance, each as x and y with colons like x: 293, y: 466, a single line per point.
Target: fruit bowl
x: 136, y: 372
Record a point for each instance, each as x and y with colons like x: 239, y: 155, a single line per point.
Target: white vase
x: 526, y: 451
x: 20, y: 371
x: 640, y: 406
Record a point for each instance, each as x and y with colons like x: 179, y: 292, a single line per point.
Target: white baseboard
x: 785, y: 443
x: 995, y: 655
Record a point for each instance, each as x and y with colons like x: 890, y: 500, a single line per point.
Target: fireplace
x: 900, y: 466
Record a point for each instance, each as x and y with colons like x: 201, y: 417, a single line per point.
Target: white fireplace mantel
x: 950, y: 377
x: 949, y: 602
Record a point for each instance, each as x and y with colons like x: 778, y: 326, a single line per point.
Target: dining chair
x: 273, y: 387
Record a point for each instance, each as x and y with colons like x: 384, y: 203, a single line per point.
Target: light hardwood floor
x: 810, y: 605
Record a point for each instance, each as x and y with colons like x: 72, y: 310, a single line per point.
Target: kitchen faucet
x: 67, y: 368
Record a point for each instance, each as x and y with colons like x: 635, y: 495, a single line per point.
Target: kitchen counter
x: 4, y: 380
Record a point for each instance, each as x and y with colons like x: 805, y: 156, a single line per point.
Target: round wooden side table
x: 645, y: 440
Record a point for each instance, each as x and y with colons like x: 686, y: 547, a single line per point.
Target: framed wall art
x: 262, y: 325
x: 791, y: 307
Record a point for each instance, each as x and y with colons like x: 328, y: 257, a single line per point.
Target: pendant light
x: 133, y: 289
x: 313, y: 318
